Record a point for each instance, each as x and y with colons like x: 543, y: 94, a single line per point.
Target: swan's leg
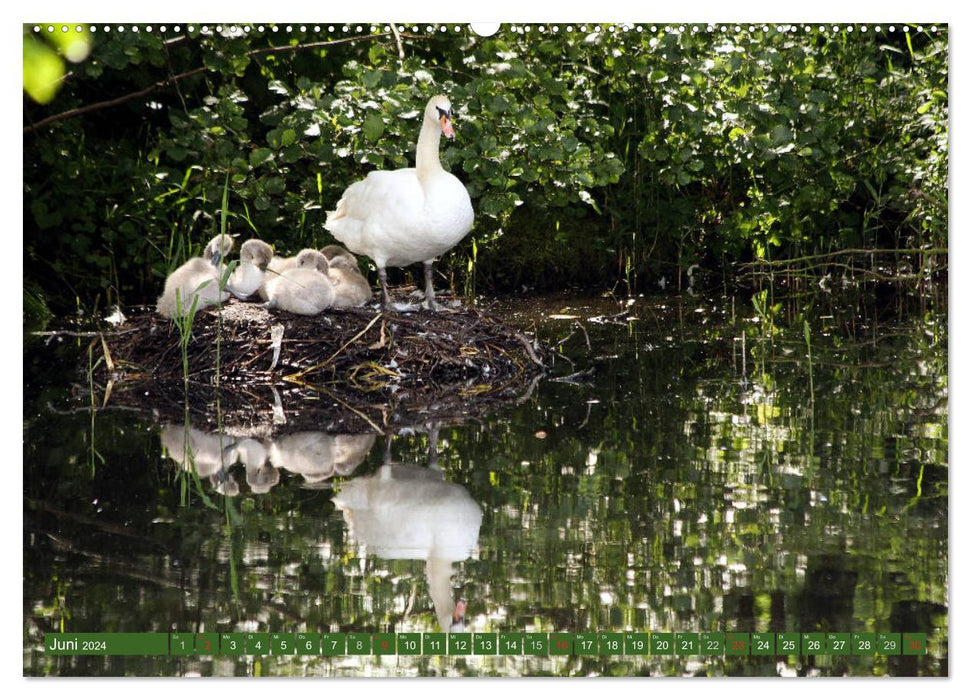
x: 385, y: 297
x: 429, y: 288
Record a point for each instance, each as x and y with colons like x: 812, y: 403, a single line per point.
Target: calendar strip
x: 703, y: 644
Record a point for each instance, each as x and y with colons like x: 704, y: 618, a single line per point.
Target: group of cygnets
x: 305, y: 284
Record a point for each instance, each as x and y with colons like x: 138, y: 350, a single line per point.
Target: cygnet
x: 254, y: 256
x: 350, y: 286
x: 303, y: 289
x: 197, y: 279
x: 337, y: 251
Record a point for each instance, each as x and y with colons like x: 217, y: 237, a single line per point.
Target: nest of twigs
x: 356, y: 369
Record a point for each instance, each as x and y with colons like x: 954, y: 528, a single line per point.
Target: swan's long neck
x: 439, y: 573
x: 426, y: 155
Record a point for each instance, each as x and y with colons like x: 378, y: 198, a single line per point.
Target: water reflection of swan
x: 405, y: 511
x: 191, y: 448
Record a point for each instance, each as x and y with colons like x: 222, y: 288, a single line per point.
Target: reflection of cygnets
x: 303, y: 289
x: 350, y: 451
x: 309, y: 454
x: 404, y: 511
x: 260, y: 476
x: 319, y: 456
x: 197, y: 279
x: 254, y: 255
x: 203, y: 451
x: 350, y: 287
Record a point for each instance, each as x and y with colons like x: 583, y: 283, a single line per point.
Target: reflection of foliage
x: 593, y: 156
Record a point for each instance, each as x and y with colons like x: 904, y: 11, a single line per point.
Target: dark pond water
x: 694, y: 472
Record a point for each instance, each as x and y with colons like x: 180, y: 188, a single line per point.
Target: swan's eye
x: 442, y: 113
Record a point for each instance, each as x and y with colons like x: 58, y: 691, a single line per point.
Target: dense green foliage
x: 591, y: 156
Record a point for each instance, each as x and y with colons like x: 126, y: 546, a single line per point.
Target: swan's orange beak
x: 447, y: 126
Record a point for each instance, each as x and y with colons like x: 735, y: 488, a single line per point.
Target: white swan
x: 254, y: 256
x: 400, y: 217
x: 197, y: 279
x: 303, y: 289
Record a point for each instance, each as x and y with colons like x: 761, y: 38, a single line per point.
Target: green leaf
x: 43, y: 70
x: 373, y: 127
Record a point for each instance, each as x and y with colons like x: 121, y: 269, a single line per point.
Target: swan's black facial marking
x: 443, y: 113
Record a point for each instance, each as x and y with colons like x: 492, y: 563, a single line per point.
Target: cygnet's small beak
x: 216, y: 258
x: 447, y: 126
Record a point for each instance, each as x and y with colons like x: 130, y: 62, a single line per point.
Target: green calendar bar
x: 686, y: 643
x: 737, y: 644
x: 888, y: 644
x: 712, y: 643
x: 207, y: 644
x: 232, y: 644
x: 384, y: 644
x: 536, y: 644
x: 662, y: 643
x: 864, y: 644
x: 705, y: 644
x: 182, y: 644
x: 510, y: 643
x: 107, y: 644
x: 611, y: 644
x: 460, y: 643
x: 787, y: 643
x: 813, y: 643
x: 409, y: 644
x: 838, y: 644
x: 433, y: 644
x: 637, y: 644
x: 333, y: 644
x: 485, y: 644
x: 561, y: 644
x: 763, y: 643
x: 914, y: 644
x: 257, y: 644
x: 283, y: 644
x: 308, y: 643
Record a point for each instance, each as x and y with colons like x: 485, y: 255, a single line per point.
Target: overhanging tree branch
x: 162, y: 83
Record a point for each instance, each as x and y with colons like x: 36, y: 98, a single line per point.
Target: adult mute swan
x: 197, y: 278
x: 400, y: 217
x: 303, y: 289
x: 254, y: 256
